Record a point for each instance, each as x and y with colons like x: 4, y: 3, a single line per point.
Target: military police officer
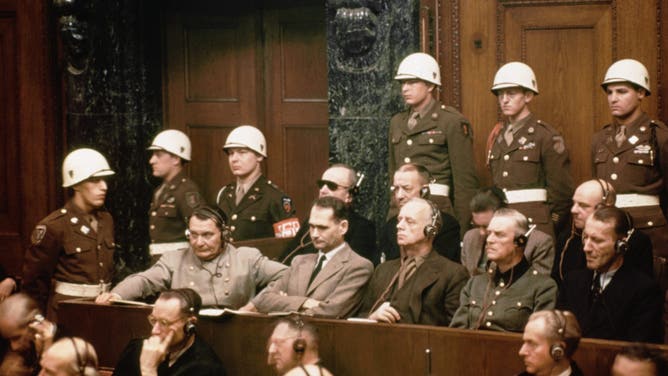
x: 176, y: 198
x: 253, y: 205
x: 73, y: 246
x: 632, y: 153
x: 435, y: 136
x: 526, y: 156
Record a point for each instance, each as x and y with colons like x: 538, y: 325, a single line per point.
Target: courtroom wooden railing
x: 346, y: 348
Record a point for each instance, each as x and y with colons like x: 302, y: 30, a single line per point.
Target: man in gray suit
x: 422, y: 287
x: 327, y: 284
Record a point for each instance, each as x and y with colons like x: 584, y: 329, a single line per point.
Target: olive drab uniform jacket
x: 639, y: 165
x: 64, y: 247
x: 263, y: 205
x: 536, y: 158
x: 442, y: 142
x: 173, y: 203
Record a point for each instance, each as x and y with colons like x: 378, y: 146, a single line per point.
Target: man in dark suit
x: 612, y: 299
x: 339, y: 181
x: 329, y: 283
x: 410, y: 181
x: 422, y: 287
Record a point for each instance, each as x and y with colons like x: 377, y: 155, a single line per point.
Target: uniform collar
x: 427, y: 109
x: 511, y: 275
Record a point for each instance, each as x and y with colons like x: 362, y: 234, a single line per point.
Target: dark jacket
x: 199, y: 359
x: 630, y: 308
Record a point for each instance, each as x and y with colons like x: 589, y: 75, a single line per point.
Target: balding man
x: 338, y: 181
x: 422, y: 287
x: 293, y: 349
x: 70, y: 356
x: 569, y: 255
x: 503, y: 298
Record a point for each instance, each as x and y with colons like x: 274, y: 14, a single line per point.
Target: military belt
x: 633, y: 200
x: 526, y: 195
x: 160, y: 248
x: 80, y: 289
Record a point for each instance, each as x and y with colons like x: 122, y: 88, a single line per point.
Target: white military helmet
x: 627, y: 70
x: 173, y: 141
x: 421, y: 66
x: 515, y: 74
x: 247, y: 136
x: 82, y: 164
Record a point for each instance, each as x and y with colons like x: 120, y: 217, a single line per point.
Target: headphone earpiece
x: 558, y: 350
x: 355, y: 190
x: 189, y: 328
x: 622, y: 245
x: 520, y: 240
x: 605, y: 194
x: 424, y: 191
x: 433, y: 228
x: 299, y: 345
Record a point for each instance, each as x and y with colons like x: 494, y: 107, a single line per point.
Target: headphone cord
x: 300, y: 246
x: 563, y: 251
x: 213, y: 275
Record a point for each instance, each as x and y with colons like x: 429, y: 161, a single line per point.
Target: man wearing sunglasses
x: 174, y: 348
x: 338, y: 181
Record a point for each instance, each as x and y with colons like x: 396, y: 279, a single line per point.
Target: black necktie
x: 321, y: 260
x: 596, y: 287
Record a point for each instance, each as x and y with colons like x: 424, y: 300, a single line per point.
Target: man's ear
x: 343, y: 226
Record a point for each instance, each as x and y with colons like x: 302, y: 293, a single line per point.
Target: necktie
x: 412, y: 122
x: 93, y: 222
x: 620, y: 137
x: 596, y: 287
x: 158, y: 192
x: 317, y: 269
x: 240, y: 194
x: 408, y: 270
x: 508, y: 135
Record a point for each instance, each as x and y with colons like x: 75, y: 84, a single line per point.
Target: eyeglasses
x: 330, y: 184
x: 162, y: 322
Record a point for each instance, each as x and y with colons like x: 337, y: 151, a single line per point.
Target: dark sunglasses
x: 330, y: 184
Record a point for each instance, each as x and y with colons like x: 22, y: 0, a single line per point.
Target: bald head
x: 587, y: 196
x: 70, y: 356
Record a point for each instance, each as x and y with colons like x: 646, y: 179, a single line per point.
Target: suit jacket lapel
x: 332, y: 267
x: 303, y: 272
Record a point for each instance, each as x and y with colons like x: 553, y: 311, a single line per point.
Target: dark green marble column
x: 114, y: 105
x: 366, y: 41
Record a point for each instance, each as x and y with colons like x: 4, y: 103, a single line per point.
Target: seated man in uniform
x: 24, y: 334
x: 423, y: 287
x: 254, y: 206
x: 411, y: 181
x: 612, y: 299
x: 174, y: 348
x: 72, y: 250
x: 176, y: 198
x: 639, y: 359
x: 569, y: 256
x: 329, y: 283
x: 549, y: 341
x: 293, y: 349
x: 223, y: 275
x: 338, y: 181
x: 503, y: 298
x: 70, y: 356
x: 539, y: 250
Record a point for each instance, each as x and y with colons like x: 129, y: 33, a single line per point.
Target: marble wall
x: 113, y: 97
x: 366, y: 42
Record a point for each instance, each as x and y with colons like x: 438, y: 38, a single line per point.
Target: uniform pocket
x: 78, y: 244
x: 167, y: 211
x: 430, y: 139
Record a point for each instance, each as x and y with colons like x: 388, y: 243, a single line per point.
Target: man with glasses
x: 222, y: 274
x: 174, y: 348
x: 338, y: 181
x: 539, y: 250
x: 412, y: 181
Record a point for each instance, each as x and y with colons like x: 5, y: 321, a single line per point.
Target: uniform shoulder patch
x: 558, y: 144
x: 466, y: 129
x: 287, y: 204
x: 38, y: 234
x: 192, y: 199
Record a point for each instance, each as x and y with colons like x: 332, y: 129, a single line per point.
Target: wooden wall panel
x: 297, y: 100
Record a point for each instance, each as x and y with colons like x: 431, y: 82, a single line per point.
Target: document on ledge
x: 129, y: 302
x: 215, y: 312
x: 360, y: 319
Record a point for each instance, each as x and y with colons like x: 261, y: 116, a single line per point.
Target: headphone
x: 214, y: 215
x: 432, y: 229
x: 355, y: 189
x: 522, y: 239
x: 189, y: 328
x: 622, y: 245
x: 558, y: 350
x: 299, y: 345
x: 605, y: 194
x: 85, y: 362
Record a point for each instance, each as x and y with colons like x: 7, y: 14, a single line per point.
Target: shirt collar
x: 427, y: 109
x: 513, y: 274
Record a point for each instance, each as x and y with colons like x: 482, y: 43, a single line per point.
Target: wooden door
x: 568, y: 43
x: 253, y: 63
